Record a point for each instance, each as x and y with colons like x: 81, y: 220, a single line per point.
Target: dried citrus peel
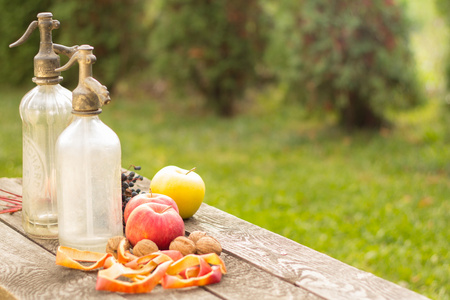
x: 145, y: 264
x: 123, y: 254
x: 71, y: 258
x: 107, y: 279
x: 194, y: 270
x: 142, y: 274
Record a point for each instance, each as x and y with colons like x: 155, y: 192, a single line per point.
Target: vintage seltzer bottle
x: 88, y: 166
x: 45, y: 112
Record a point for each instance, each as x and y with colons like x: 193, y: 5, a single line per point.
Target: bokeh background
x: 325, y: 121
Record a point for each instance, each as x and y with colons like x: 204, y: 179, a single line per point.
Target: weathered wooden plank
x: 20, y: 287
x: 300, y: 265
x: 30, y: 272
x: 27, y: 271
x: 242, y: 282
x: 263, y: 250
x: 14, y: 185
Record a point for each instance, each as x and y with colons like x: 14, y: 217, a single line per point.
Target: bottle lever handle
x: 33, y: 25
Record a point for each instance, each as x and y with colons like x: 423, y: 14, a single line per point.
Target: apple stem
x: 151, y: 194
x: 191, y: 170
x: 168, y: 207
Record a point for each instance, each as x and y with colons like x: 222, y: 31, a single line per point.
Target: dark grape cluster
x: 128, y: 181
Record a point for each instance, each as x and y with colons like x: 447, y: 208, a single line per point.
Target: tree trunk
x: 358, y: 114
x: 223, y: 101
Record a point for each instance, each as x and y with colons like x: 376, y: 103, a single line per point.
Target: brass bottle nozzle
x: 90, y: 95
x: 47, y: 60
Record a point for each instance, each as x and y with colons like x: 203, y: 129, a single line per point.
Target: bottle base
x: 40, y: 230
x: 94, y: 244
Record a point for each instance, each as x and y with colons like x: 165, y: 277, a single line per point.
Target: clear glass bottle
x: 88, y: 167
x: 45, y: 113
x: 89, y: 189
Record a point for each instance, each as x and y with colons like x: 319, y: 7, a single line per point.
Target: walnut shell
x: 113, y: 244
x: 184, y: 245
x: 207, y: 245
x: 196, y: 235
x: 145, y: 247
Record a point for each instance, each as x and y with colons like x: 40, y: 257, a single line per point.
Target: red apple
x: 154, y: 221
x: 147, y: 198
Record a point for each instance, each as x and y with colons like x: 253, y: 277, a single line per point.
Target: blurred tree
x: 281, y: 57
x: 112, y: 27
x: 355, y: 59
x: 212, y: 46
x: 17, y: 63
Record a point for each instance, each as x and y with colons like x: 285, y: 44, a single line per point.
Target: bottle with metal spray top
x: 88, y: 166
x: 45, y: 112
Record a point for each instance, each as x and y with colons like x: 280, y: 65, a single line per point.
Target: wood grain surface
x: 14, y: 185
x: 28, y: 271
x: 315, y: 272
x: 260, y: 263
x: 243, y: 280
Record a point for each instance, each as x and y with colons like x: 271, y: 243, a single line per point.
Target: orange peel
x: 131, y: 274
x: 71, y: 258
x: 194, y: 270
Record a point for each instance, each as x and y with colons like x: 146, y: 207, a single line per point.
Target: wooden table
x: 260, y: 263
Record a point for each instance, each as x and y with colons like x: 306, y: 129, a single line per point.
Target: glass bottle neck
x: 77, y: 116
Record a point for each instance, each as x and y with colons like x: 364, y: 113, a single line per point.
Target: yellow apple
x: 184, y: 186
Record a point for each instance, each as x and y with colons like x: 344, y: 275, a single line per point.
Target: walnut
x: 184, y: 245
x: 113, y: 244
x: 144, y: 247
x: 207, y: 245
x: 196, y: 235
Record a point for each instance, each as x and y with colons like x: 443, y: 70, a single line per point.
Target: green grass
x: 11, y: 135
x: 377, y: 201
